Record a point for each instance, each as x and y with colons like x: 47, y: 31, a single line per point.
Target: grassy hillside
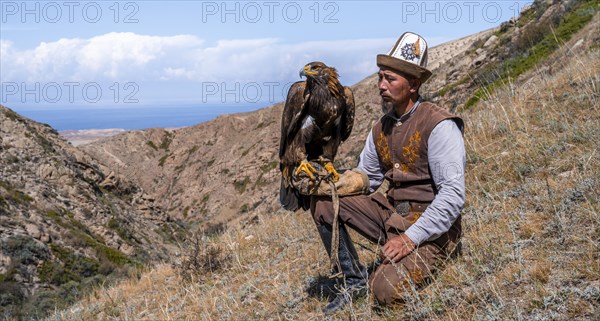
x: 531, y: 229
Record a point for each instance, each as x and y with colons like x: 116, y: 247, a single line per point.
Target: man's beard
x: 387, y: 107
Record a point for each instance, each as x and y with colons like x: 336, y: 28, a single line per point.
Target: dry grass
x: 530, y: 245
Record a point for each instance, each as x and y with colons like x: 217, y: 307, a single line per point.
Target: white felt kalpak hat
x: 408, y: 56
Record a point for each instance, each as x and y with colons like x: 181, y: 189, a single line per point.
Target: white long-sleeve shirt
x: 447, y: 158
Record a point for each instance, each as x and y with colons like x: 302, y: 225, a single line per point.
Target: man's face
x: 395, y: 89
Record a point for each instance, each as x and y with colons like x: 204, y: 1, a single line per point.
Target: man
x: 418, y: 148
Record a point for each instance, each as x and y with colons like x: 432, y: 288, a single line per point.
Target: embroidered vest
x: 402, y: 152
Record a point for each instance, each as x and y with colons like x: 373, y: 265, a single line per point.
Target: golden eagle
x: 318, y: 115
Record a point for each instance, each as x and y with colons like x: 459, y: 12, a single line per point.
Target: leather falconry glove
x: 352, y: 182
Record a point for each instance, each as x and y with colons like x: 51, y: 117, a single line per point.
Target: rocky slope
x: 515, y: 47
x: 66, y: 222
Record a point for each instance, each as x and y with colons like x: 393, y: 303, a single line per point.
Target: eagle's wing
x: 292, y: 115
x: 348, y: 116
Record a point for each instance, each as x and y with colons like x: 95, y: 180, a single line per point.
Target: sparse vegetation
x: 173, y: 233
x: 120, y: 226
x: 265, y: 168
x: 3, y: 202
x: 240, y: 185
x: 166, y: 140
x: 536, y: 46
x: 202, y: 259
x: 13, y: 195
x: 50, y: 256
x: 81, y: 236
x: 261, y: 181
x: 246, y: 151
x: 450, y: 87
x: 74, y: 267
x: 162, y: 160
x: 24, y: 251
x: 151, y: 144
x: 12, y: 115
x: 213, y: 230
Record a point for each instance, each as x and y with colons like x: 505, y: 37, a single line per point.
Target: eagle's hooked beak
x: 302, y: 72
x: 305, y: 72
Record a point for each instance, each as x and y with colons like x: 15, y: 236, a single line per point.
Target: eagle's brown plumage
x: 318, y: 115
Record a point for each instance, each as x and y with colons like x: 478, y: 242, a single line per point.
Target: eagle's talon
x: 307, y: 168
x: 332, y: 172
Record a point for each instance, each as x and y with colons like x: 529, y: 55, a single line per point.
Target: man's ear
x: 415, y: 84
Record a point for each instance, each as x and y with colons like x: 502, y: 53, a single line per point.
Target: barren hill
x: 66, y: 222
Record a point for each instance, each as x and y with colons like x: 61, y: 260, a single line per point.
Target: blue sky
x: 114, y: 54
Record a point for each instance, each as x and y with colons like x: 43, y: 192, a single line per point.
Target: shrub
x: 201, y: 260
x: 24, y: 249
x: 240, y: 186
x: 76, y: 266
x: 119, y: 226
x: 167, y: 139
x: 161, y: 161
x: 214, y: 229
x: 173, y: 233
x: 151, y: 144
x: 265, y: 168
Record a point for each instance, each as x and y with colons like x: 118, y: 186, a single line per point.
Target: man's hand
x: 397, y: 248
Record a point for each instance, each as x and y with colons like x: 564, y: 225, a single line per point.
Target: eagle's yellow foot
x: 307, y: 168
x: 331, y: 170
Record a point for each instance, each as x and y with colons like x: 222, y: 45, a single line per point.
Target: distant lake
x: 129, y: 118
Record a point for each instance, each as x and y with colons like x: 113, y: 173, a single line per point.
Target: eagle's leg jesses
x: 307, y: 168
x: 331, y: 170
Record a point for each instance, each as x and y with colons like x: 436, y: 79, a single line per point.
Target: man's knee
x: 321, y: 209
x: 391, y: 281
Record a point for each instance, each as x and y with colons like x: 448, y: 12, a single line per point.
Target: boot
x: 354, y: 274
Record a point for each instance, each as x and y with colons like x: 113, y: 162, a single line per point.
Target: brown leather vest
x: 402, y: 151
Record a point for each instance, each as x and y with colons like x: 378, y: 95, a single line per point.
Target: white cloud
x: 115, y: 55
x: 126, y: 56
x: 110, y: 56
